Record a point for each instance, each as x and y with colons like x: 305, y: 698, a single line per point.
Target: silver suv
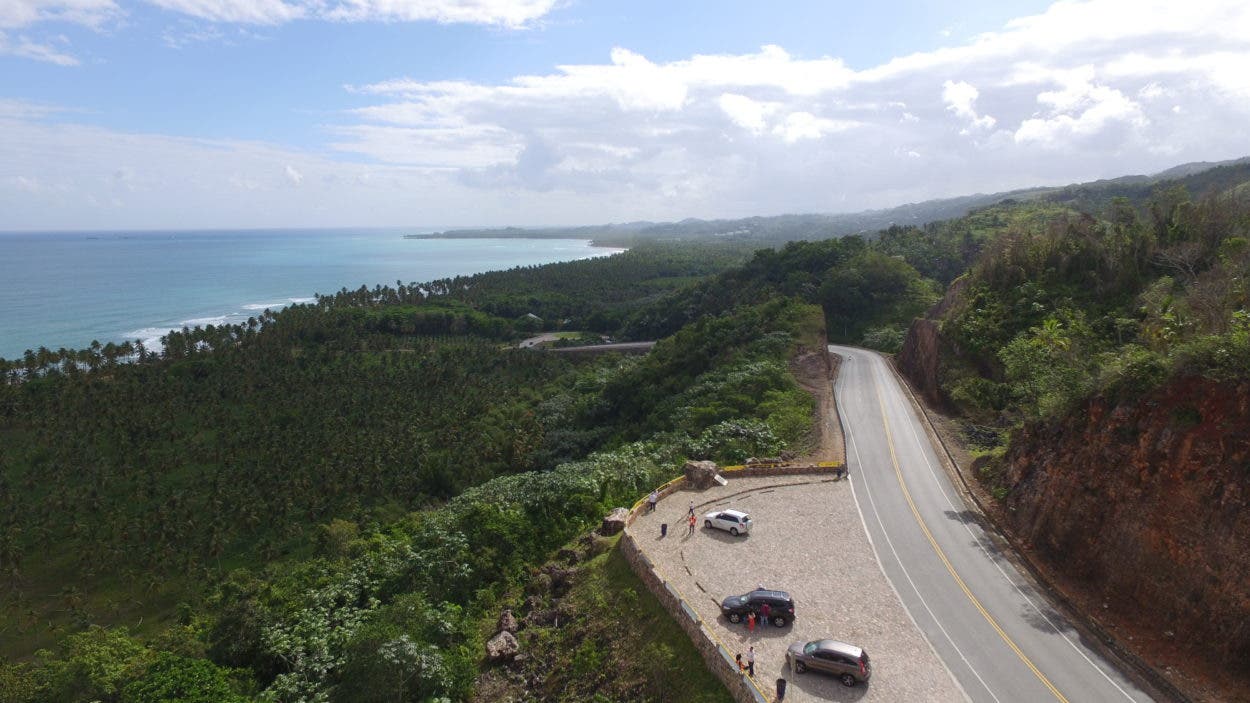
x: 846, y: 661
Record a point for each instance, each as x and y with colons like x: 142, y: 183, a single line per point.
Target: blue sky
x: 432, y: 113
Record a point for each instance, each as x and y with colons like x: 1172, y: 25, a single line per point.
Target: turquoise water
x: 67, y: 289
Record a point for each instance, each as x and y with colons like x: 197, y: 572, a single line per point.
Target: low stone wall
x: 719, y: 660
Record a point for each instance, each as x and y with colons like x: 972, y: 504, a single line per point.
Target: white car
x: 735, y: 522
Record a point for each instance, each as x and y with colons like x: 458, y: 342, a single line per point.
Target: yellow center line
x: 942, y: 555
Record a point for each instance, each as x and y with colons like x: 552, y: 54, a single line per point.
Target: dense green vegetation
x: 1114, y: 305
x: 326, y: 502
x: 868, y: 294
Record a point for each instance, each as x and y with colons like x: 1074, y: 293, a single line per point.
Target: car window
x: 809, y: 648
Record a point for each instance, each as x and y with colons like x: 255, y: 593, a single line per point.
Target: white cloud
x: 26, y: 48
x: 1151, y: 91
x: 506, y: 13
x: 23, y: 14
x: 804, y: 125
x: 1084, y: 90
x: 960, y: 98
x: 293, y: 175
x: 240, y: 11
x: 11, y: 109
x: 746, y: 113
x: 1080, y: 108
x: 89, y: 13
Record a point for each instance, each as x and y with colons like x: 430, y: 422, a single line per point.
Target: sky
x: 431, y: 114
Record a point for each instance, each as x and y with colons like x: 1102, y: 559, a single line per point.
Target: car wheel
x: 779, y: 621
x: 707, y: 524
x: 733, y: 531
x: 735, y: 617
x: 799, y: 667
x: 847, y: 680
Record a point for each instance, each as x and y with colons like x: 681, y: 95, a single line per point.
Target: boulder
x: 569, y: 555
x: 502, y: 647
x: 700, y: 474
x: 560, y: 579
x: 614, y: 522
x: 507, y: 621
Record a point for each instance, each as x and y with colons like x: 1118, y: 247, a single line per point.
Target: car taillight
x: 861, y: 666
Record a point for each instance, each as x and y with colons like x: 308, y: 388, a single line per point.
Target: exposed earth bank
x: 1141, y: 508
x: 1135, y: 513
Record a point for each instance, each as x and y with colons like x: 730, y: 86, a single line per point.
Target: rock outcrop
x: 700, y: 474
x: 1143, y: 507
x: 920, y: 357
x: 614, y: 522
x: 507, y: 621
x: 502, y: 647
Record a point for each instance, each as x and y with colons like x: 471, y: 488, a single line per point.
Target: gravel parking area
x: 808, y: 539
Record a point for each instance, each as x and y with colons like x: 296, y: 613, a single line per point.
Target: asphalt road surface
x: 997, y: 634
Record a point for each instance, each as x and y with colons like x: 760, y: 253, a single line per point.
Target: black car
x: 780, y: 606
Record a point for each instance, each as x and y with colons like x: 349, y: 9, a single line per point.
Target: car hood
x: 797, y: 648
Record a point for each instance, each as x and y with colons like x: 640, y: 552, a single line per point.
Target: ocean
x: 67, y: 289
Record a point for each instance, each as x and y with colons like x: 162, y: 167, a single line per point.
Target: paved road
x: 995, y: 632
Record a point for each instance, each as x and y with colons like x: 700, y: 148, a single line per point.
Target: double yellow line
x: 889, y: 437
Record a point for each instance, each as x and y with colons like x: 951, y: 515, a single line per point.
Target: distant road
x: 601, y: 348
x: 534, y: 342
x: 998, y: 635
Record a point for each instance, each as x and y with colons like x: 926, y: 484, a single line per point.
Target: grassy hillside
x: 608, y: 640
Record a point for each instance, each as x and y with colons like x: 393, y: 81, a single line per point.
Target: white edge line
x: 980, y: 545
x: 846, y: 429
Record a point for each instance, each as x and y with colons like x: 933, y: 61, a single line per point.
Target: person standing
x: 691, y: 511
x: 738, y: 659
x: 751, y: 621
x: 751, y: 662
x: 691, y: 532
x: 652, y: 500
x: 766, y: 612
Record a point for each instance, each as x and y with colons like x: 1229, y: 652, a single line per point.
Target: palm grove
x: 342, y: 493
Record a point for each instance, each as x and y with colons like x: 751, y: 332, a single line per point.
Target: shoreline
x: 622, y: 245
x: 151, y: 287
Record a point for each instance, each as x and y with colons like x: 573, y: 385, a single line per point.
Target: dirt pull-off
x: 816, y: 371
